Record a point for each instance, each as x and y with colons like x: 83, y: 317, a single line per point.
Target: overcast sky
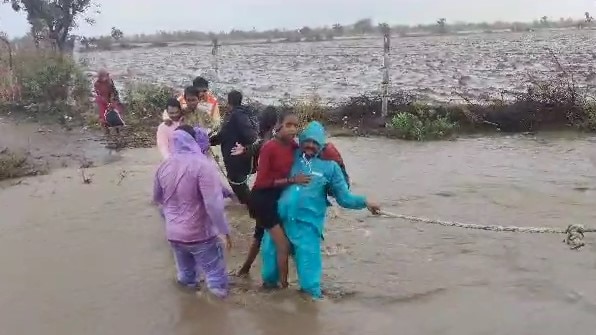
x: 137, y: 16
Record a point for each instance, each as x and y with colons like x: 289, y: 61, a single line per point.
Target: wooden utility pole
x: 215, y: 53
x: 386, y: 65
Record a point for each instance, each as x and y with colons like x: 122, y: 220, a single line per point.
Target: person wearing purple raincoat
x: 188, y: 188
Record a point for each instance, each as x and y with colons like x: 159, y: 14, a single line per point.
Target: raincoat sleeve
x: 163, y: 141
x: 157, y: 189
x: 341, y: 192
x: 211, y: 191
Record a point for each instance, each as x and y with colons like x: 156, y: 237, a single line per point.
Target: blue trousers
x: 305, y: 246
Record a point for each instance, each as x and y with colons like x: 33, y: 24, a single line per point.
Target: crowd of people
x: 297, y: 170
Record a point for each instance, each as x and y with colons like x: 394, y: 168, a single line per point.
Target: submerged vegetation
x: 15, y: 165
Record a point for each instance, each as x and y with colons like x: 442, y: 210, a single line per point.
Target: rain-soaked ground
x: 91, y: 258
x: 439, y: 67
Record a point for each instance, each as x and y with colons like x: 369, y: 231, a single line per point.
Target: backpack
x: 113, y: 118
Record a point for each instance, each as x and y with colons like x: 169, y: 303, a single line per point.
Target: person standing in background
x: 165, y: 130
x: 206, y: 105
x: 106, y: 95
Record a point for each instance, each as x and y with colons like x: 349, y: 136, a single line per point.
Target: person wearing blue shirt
x: 303, y: 208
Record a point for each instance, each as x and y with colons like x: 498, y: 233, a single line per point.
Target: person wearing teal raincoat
x: 302, y: 209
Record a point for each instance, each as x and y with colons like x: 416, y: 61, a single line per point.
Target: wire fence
x: 504, y: 70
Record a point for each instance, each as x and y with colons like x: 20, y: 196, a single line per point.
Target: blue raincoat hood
x: 313, y: 131
x: 184, y: 143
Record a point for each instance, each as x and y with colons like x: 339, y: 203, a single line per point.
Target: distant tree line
x: 52, y: 22
x: 361, y: 27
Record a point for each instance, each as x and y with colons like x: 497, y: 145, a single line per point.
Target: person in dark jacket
x: 267, y: 121
x: 240, y: 126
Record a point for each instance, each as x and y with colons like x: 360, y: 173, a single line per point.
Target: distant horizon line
x: 552, y: 20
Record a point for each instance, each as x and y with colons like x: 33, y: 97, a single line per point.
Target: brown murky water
x: 91, y: 259
x: 436, y: 67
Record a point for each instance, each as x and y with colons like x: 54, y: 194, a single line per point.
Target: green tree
x: 53, y: 19
x: 117, y: 34
x: 305, y: 31
x: 338, y: 29
x: 363, y: 26
x: 442, y: 24
x: 384, y: 28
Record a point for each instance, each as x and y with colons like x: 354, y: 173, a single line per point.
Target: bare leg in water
x: 282, y: 246
x: 253, y: 252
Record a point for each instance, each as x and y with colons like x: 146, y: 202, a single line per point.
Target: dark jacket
x: 239, y: 126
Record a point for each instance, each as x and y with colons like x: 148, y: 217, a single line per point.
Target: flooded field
x: 91, y: 258
x: 439, y: 68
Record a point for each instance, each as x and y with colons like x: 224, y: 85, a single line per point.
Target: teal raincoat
x: 302, y: 209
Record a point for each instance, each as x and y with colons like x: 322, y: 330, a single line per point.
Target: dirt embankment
x: 30, y: 148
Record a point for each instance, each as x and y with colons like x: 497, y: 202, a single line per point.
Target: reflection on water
x: 91, y: 259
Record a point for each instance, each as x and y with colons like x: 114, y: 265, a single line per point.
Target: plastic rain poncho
x: 302, y: 210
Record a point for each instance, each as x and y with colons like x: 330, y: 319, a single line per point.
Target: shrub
x: 48, y: 84
x: 145, y: 102
x: 14, y: 165
x: 307, y: 110
x: 423, y: 124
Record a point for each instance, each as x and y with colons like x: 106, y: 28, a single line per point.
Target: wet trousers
x: 305, y: 245
x: 202, y: 257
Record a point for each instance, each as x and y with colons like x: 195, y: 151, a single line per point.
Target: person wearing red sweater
x: 278, y: 158
x: 275, y: 162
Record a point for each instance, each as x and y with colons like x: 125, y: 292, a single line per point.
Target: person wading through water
x: 269, y: 119
x: 188, y: 188
x: 302, y: 210
x: 202, y: 138
x: 239, y: 126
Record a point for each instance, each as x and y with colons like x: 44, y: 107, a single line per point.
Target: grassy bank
x: 546, y: 105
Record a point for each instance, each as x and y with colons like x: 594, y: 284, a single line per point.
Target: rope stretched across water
x: 574, y: 239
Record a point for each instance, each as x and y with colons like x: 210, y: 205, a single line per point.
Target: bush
x: 423, y: 124
x: 307, y: 110
x: 13, y: 165
x: 145, y: 102
x: 46, y: 84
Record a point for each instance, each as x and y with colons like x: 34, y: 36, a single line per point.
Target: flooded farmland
x: 438, y: 68
x: 91, y: 258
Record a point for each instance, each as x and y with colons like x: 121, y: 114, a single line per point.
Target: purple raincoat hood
x: 202, y: 139
x: 184, y: 143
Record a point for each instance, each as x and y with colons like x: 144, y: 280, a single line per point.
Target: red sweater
x: 275, y: 162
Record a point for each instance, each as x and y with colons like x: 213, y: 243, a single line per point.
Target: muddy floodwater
x: 438, y: 68
x: 91, y: 258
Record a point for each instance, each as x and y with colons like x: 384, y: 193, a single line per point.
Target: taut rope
x: 574, y: 232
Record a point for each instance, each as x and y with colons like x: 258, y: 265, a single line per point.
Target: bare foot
x: 241, y: 273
